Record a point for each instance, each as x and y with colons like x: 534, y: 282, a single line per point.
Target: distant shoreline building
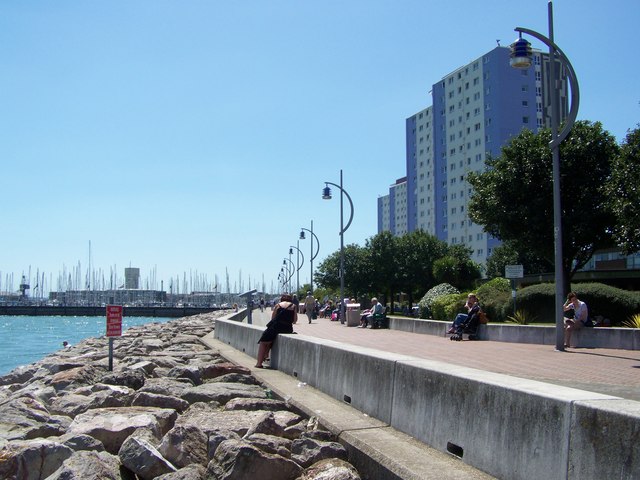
x: 475, y: 110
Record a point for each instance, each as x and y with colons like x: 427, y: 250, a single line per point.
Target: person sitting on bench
x: 367, y: 315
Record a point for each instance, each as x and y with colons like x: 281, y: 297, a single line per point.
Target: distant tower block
x: 132, y: 278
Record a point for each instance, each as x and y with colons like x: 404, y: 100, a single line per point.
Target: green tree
x: 506, y: 254
x: 383, y: 257
x: 457, y: 268
x: 513, y: 198
x: 417, y: 252
x: 624, y: 193
x: 356, y: 268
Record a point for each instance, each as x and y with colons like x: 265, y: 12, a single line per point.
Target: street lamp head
x: 521, y: 55
x: 302, y: 236
x: 326, y: 193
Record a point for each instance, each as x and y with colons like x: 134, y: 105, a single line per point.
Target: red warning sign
x: 114, y: 320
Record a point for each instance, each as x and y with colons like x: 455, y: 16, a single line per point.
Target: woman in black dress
x: 284, y: 315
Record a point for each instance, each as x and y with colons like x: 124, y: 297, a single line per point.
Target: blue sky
x: 196, y: 136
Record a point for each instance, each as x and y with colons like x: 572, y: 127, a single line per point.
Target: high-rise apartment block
x: 475, y: 111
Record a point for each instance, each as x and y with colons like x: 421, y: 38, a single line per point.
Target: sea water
x: 25, y: 340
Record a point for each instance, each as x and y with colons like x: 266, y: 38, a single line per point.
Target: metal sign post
x: 114, y: 328
x: 513, y: 272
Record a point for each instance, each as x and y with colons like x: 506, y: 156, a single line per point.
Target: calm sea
x: 25, y: 340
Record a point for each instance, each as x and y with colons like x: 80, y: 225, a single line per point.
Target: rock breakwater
x: 170, y: 409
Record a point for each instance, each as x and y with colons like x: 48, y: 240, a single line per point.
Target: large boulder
x: 88, y: 465
x: 307, y: 451
x: 146, y: 399
x: 331, y: 469
x: 113, y: 425
x: 209, y: 419
x: 97, y: 396
x: 192, y: 472
x: 270, y: 444
x: 221, y: 393
x: 265, y: 404
x: 32, y: 459
x: 143, y: 459
x: 128, y: 378
x: 75, y: 377
x: 239, y: 460
x: 184, y: 445
x: 214, y: 370
x: 171, y: 387
x: 26, y: 418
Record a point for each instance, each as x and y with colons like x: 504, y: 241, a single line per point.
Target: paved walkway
x: 613, y: 372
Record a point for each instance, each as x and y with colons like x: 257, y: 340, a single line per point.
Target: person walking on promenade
x: 576, y: 314
x: 309, y: 306
x: 284, y: 315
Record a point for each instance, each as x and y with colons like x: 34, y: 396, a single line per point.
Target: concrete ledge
x: 509, y: 427
x: 596, y: 337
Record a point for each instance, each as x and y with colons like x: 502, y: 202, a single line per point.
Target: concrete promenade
x: 482, y: 387
x: 611, y: 372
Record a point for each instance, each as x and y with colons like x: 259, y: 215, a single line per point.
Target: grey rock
x: 192, y: 472
x: 216, y: 438
x: 270, y: 444
x: 236, y: 378
x: 32, y: 459
x: 75, y: 377
x: 307, y: 451
x: 146, y: 399
x: 113, y: 425
x: 267, y: 404
x: 184, y: 445
x: 143, y: 459
x: 88, y: 465
x: 25, y: 418
x: 221, y: 392
x: 79, y: 442
x: 99, y: 396
x: 134, y: 379
x: 19, y: 375
x: 330, y: 469
x: 215, y: 370
x: 191, y: 372
x: 239, y: 460
x: 171, y: 387
x: 266, y: 424
x: 209, y: 419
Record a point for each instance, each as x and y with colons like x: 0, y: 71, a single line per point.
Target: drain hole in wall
x: 454, y: 449
x: 347, y: 399
x: 295, y: 374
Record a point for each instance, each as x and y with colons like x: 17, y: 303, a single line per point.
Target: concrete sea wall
x: 509, y: 427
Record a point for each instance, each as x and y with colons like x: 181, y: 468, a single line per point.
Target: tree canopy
x: 624, y: 193
x: 513, y: 198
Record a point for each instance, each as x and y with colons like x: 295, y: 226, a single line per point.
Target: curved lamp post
x: 312, y: 257
x: 326, y: 195
x: 299, y: 264
x: 290, y: 271
x: 521, y: 58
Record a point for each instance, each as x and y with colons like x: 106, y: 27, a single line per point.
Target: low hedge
x: 611, y: 303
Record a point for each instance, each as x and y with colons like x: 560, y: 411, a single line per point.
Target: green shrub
x: 609, y: 302
x: 446, y: 307
x: 426, y: 302
x: 495, y: 298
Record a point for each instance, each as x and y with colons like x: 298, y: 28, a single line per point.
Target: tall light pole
x: 326, y: 195
x: 290, y: 272
x: 299, y: 264
x: 521, y: 58
x: 312, y: 257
